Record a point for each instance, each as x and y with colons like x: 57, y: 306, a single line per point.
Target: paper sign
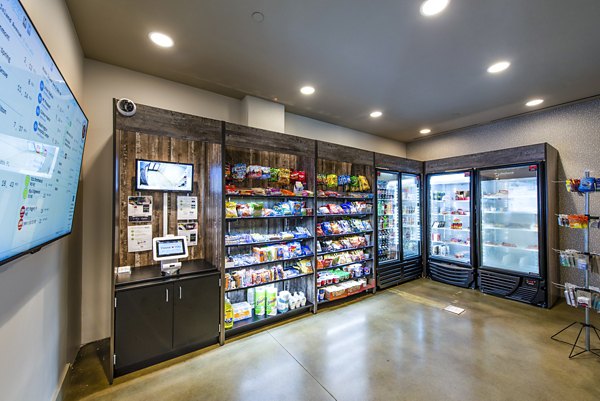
x: 454, y: 309
x: 190, y: 230
x: 139, y: 209
x: 187, y: 208
x: 139, y: 238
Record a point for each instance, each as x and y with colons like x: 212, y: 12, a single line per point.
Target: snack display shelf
x: 270, y: 196
x: 345, y: 234
x: 348, y: 294
x: 345, y: 264
x: 270, y: 242
x: 269, y: 282
x: 350, y: 198
x: 344, y: 250
x: 289, y: 216
x: 271, y: 262
x: 509, y: 228
x: 257, y: 321
x: 511, y: 248
x: 345, y: 214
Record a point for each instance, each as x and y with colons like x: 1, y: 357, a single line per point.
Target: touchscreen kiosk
x: 168, y: 250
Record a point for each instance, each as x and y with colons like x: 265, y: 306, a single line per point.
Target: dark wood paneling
x: 522, y: 154
x: 254, y: 138
x: 152, y: 120
x: 341, y: 153
x: 398, y: 163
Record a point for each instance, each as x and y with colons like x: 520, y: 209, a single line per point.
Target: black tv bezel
x: 37, y: 248
x: 137, y: 170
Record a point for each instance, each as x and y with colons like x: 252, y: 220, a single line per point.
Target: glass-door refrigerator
x: 511, y: 233
x: 450, y: 228
x: 398, y: 227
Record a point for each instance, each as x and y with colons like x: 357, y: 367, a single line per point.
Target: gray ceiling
x: 360, y: 55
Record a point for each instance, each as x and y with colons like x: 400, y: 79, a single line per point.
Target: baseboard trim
x: 59, y: 392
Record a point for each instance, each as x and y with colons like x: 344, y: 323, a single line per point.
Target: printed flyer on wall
x: 139, y: 238
x: 187, y: 208
x: 190, y: 230
x: 139, y: 209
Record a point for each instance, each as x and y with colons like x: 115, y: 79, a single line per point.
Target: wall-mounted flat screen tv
x: 163, y: 176
x: 42, y: 136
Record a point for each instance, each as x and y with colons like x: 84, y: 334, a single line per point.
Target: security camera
x: 126, y: 107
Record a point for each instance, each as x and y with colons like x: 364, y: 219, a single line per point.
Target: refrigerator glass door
x: 509, y: 219
x: 411, y: 215
x: 388, y: 222
x: 450, y: 217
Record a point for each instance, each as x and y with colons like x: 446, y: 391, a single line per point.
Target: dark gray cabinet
x: 158, y: 321
x: 196, y: 311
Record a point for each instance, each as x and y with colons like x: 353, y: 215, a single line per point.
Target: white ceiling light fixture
x: 534, y: 102
x: 307, y: 90
x: 498, y: 67
x: 425, y: 131
x: 376, y: 114
x: 430, y: 8
x: 160, y: 39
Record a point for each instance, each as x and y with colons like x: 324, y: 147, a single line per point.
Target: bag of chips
x: 321, y: 179
x: 353, y: 183
x: 363, y: 184
x: 254, y: 172
x: 266, y: 173
x: 332, y: 181
x: 284, y: 176
x: 274, y: 174
x: 230, y: 210
x: 239, y: 171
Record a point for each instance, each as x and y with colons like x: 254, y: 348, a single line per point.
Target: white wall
x: 103, y: 82
x: 322, y: 131
x: 39, y: 294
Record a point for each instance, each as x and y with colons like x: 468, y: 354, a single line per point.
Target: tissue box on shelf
x: 241, y: 311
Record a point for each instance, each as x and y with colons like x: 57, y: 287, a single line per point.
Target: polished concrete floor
x: 396, y: 345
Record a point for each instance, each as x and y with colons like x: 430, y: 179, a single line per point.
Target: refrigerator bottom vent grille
x: 499, y: 284
x: 449, y: 274
x: 527, y: 294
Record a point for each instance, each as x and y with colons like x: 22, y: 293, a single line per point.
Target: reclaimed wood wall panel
x: 522, y: 154
x: 259, y: 139
x: 341, y: 153
x: 156, y: 121
x: 398, y: 163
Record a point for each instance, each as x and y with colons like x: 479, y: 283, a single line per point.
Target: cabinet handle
x: 167, y: 295
x: 180, y: 293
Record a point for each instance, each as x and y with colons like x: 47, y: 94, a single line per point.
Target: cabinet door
x: 196, y: 313
x: 143, y: 323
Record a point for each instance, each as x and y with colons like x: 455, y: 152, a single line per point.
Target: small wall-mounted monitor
x: 169, y: 248
x: 163, y: 176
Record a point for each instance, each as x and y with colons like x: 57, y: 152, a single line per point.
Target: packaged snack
x: 573, y: 185
x: 254, y: 172
x: 274, y: 174
x: 294, y: 175
x: 230, y: 210
x: 343, y: 180
x: 331, y: 181
x: 286, y: 209
x: 295, y: 207
x: 266, y: 173
x: 335, y: 227
x: 259, y: 191
x: 298, y: 188
x: 273, y: 191
x: 363, y: 184
x: 588, y: 184
x: 244, y: 210
x: 238, y: 171
x: 327, y: 228
x: 320, y: 231
x: 268, y: 212
x: 257, y: 209
x: 302, y: 176
x: 245, y: 192
x: 323, y: 210
x: 231, y: 190
x: 284, y: 176
x: 321, y: 179
x: 285, y: 192
x: 347, y: 208
x: 227, y: 171
x: 354, y: 183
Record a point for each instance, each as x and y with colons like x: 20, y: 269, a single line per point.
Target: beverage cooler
x: 491, y: 222
x: 398, y: 227
x: 450, y: 228
x: 512, y: 232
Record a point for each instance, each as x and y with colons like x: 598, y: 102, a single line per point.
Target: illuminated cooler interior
x: 509, y: 229
x: 450, y: 217
x: 411, y: 210
x: 388, y: 220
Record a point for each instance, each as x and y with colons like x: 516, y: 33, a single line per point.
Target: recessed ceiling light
x: 161, y: 39
x: 534, y: 102
x: 425, y: 131
x: 433, y: 7
x: 498, y: 67
x: 376, y: 114
x: 307, y: 90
